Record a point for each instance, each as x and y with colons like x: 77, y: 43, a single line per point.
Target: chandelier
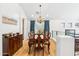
x: 40, y: 19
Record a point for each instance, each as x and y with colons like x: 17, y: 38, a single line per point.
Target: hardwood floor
x: 24, y: 50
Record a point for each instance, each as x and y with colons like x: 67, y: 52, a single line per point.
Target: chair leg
x: 43, y: 47
x: 34, y: 51
x: 43, y: 50
x: 29, y: 49
x: 48, y: 48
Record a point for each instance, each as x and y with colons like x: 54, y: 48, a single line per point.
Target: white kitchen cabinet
x: 64, y: 46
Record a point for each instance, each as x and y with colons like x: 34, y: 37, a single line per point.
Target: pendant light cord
x: 40, y: 9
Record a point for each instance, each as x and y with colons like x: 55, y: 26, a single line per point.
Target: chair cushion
x: 41, y: 36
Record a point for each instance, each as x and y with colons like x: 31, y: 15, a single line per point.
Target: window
x: 32, y: 26
x: 46, y: 25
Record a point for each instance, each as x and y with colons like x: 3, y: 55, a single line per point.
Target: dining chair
x: 47, y: 40
x: 31, y: 42
x: 42, y: 43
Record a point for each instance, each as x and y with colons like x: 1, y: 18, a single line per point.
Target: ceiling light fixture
x: 40, y: 19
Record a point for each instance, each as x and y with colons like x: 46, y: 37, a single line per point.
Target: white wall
x: 13, y: 11
x: 56, y: 25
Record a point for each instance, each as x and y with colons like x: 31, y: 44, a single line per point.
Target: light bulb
x: 32, y: 16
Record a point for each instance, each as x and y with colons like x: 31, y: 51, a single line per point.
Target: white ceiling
x: 67, y: 11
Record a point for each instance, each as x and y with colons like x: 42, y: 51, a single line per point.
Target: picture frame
x: 76, y: 25
x: 69, y: 25
x: 7, y: 20
x: 63, y: 24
